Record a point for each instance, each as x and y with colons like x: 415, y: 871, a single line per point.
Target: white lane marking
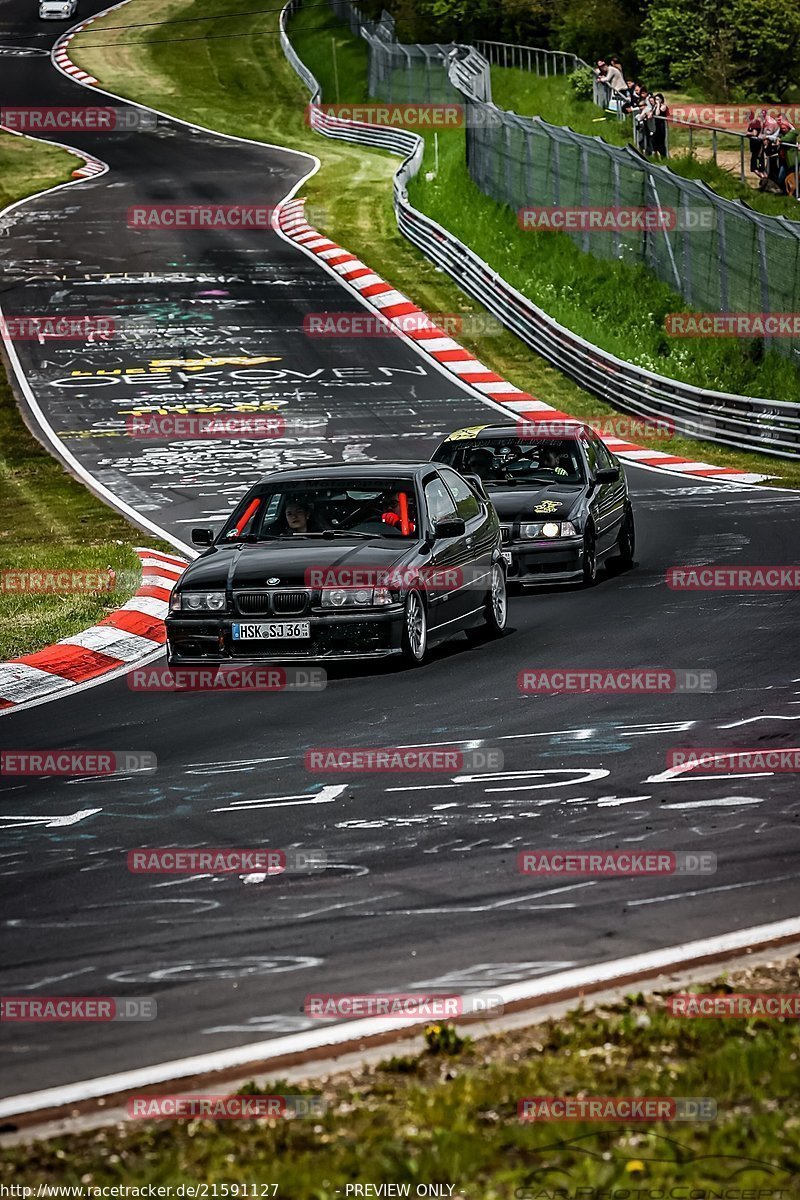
x: 569, y: 981
x: 764, y: 717
x: 18, y: 822
x: 616, y: 801
x: 723, y: 887
x: 326, y: 796
x: 586, y: 775
x: 522, y: 900
x: 423, y: 787
x: 241, y: 764
x: 31, y: 987
x: 720, y: 802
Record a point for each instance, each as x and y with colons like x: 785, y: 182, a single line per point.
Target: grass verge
x: 243, y: 85
x: 50, y: 521
x: 449, y: 1116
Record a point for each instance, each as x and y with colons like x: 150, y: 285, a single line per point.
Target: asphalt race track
x: 421, y: 888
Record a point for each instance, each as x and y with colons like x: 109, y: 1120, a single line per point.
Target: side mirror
x: 202, y: 537
x: 476, y: 483
x: 607, y: 475
x: 454, y: 527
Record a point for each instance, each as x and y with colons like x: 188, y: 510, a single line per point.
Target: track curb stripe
x: 462, y: 363
x: 126, y: 636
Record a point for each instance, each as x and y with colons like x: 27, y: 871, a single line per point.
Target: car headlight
x: 197, y: 601
x: 547, y: 529
x: 355, y: 597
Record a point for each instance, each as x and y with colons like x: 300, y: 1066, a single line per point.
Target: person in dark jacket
x: 661, y: 115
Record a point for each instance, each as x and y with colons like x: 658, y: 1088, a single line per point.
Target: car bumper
x: 334, y: 637
x: 559, y: 560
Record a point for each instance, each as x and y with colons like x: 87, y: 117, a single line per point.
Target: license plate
x: 293, y: 630
x: 507, y: 556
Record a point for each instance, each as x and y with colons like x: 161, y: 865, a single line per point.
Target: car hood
x: 251, y: 566
x: 520, y: 503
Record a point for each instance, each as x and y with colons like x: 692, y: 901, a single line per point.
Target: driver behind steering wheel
x: 398, y: 513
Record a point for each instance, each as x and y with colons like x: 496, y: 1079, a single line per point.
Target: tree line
x: 728, y: 50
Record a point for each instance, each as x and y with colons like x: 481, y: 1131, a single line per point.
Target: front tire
x: 415, y: 630
x: 626, y: 542
x: 496, y: 611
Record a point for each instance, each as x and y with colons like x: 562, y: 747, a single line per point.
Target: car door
x: 599, y: 496
x: 449, y: 562
x: 481, y: 535
x: 612, y: 495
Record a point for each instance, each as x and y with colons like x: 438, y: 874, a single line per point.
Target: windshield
x: 516, y: 460
x: 352, y: 507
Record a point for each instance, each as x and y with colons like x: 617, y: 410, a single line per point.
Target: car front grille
x: 259, y: 604
x: 253, y: 604
x: 505, y: 534
x: 290, y: 602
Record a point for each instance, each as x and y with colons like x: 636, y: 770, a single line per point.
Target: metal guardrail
x: 530, y: 58
x: 748, y: 423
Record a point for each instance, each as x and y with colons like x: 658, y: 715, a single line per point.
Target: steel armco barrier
x: 748, y: 423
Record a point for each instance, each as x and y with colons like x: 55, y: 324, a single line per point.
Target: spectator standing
x: 661, y: 114
x: 755, y: 127
x: 770, y: 136
x: 616, y: 81
x: 634, y: 92
x: 643, y: 123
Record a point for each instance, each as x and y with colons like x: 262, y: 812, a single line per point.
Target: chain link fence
x: 353, y: 17
x: 719, y: 255
x: 751, y: 423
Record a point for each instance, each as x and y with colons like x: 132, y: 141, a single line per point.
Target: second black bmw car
x: 561, y: 496
x: 339, y: 562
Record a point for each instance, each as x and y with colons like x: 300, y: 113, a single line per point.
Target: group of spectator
x: 649, y: 110
x: 770, y: 134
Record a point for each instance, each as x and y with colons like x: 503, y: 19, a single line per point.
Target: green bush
x: 582, y: 83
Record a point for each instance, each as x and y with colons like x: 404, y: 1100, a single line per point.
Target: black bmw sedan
x: 561, y: 496
x: 340, y: 562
